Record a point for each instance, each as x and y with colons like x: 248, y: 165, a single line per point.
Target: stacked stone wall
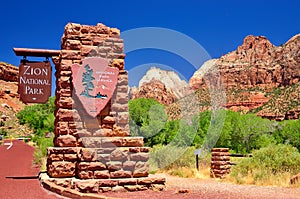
x: 220, y: 163
x: 90, y: 148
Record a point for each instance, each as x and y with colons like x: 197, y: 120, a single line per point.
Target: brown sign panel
x: 94, y: 83
x: 35, y: 81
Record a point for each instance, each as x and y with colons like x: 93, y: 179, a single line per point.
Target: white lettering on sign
x: 35, y: 71
x: 24, y: 80
x: 33, y: 91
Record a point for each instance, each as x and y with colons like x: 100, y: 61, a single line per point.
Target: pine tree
x: 87, y: 81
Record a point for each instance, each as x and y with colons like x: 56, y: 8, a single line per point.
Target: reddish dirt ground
x: 17, y: 161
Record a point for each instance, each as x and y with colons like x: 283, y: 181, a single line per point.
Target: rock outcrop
x: 9, y: 75
x: 8, y: 72
x: 161, y: 85
x: 252, y: 73
x: 154, y: 89
x: 170, y: 79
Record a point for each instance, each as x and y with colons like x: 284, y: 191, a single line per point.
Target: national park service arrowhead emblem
x: 94, y: 83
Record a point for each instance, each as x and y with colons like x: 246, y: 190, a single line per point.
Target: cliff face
x: 253, y: 73
x: 154, y: 89
x: 9, y: 97
x: 164, y: 86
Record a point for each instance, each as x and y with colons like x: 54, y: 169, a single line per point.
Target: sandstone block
x: 83, y: 133
x: 111, y: 142
x: 56, y: 157
x: 63, y: 150
x: 114, y: 32
x: 72, y: 44
x: 66, y: 92
x: 133, y: 141
x: 118, y: 189
x: 108, y: 120
x: 129, y: 165
x: 90, y: 186
x: 139, y: 157
x: 102, y: 29
x: 118, y: 63
x: 120, y: 174
x: 219, y: 162
x: 66, y: 183
x: 75, y: 125
x: 128, y: 181
x: 67, y: 115
x: 86, y: 50
x: 119, y: 107
x: 91, y: 142
x: 85, y: 174
x: 104, y: 189
x: 122, y: 89
x: 65, y: 102
x: 121, y: 98
x: 123, y: 118
x: 118, y: 155
x: 220, y: 154
x: 108, y: 183
x: 220, y: 149
x: 87, y: 155
x: 103, y: 157
x: 70, y: 54
x: 158, y: 187
x: 113, y: 55
x: 104, y: 49
x: 141, y: 169
x: 70, y: 157
x: 66, y: 141
x: 61, y: 169
x: 118, y: 48
x: 220, y: 158
x: 102, y: 174
x: 72, y: 29
x: 114, y: 165
x: 132, y: 187
x: 63, y: 82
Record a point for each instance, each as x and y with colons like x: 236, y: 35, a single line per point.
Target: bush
x: 268, y: 165
x: 39, y: 117
x: 168, y: 157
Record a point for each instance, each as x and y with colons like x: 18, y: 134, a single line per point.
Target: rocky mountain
x: 258, y: 77
x: 164, y: 86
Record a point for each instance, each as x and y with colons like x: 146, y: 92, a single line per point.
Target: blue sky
x: 219, y: 26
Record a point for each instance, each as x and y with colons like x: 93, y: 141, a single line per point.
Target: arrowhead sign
x: 94, y: 83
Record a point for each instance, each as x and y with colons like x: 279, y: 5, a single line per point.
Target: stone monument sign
x: 93, y: 150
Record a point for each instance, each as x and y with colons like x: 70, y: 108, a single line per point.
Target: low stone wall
x: 96, y: 186
x: 98, y: 163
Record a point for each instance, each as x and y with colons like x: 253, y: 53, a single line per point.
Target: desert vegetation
x: 40, y: 118
x: 275, y: 145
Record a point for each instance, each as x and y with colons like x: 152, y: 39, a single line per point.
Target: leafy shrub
x: 39, y: 117
x: 167, y: 157
x: 270, y: 162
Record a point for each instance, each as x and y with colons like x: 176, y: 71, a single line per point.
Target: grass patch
x: 273, y: 165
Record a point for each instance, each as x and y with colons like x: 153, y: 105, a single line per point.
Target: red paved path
x: 17, y: 161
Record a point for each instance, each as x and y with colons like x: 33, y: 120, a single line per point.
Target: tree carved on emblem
x: 87, y: 81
